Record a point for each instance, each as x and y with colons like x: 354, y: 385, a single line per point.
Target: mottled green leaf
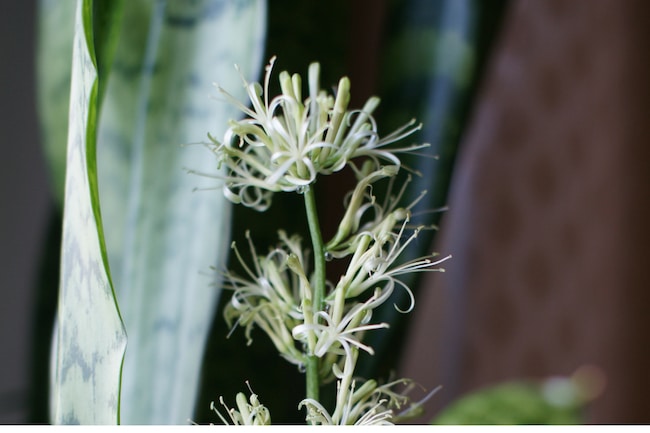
x: 163, y: 237
x: 90, y: 338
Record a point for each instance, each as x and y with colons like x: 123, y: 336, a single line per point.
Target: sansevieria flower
x: 285, y: 144
x: 282, y: 144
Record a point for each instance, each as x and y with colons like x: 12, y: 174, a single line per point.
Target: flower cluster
x: 272, y: 295
x: 370, y: 404
x: 284, y: 143
x: 276, y: 293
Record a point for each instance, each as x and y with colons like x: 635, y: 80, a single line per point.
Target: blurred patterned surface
x: 548, y: 211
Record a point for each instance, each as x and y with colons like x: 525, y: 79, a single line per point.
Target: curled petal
x: 285, y: 143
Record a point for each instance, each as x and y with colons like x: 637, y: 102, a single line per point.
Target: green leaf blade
x: 90, y: 338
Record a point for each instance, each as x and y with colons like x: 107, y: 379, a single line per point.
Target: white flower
x: 337, y: 335
x: 375, y: 254
x: 357, y: 204
x: 284, y: 143
x: 370, y: 404
x: 251, y: 412
x: 270, y: 295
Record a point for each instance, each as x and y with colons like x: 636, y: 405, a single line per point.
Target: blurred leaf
x: 164, y: 238
x: 554, y: 401
x: 431, y: 65
x: 54, y: 65
x: 90, y: 339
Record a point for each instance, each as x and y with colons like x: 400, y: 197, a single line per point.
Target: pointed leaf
x: 90, y: 338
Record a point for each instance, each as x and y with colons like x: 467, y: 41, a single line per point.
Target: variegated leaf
x: 165, y: 239
x: 90, y: 338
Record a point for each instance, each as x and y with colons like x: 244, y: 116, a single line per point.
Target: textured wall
x: 549, y: 210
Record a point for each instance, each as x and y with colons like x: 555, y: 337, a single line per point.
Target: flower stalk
x: 312, y: 365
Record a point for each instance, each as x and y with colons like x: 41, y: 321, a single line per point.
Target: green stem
x: 313, y: 383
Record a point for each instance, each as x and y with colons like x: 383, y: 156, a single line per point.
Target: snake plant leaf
x: 90, y: 338
x: 56, y: 27
x: 167, y: 229
x: 53, y: 73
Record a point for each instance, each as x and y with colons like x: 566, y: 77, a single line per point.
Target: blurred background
x: 548, y: 206
x: 548, y: 215
x: 26, y: 205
